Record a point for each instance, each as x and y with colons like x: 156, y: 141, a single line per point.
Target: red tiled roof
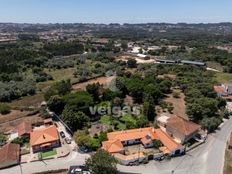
x: 112, y: 146
x: 182, y: 126
x: 132, y: 134
x: 146, y: 140
x: 129, y: 157
x: 167, y: 141
x: 23, y: 128
x: 219, y: 89
x: 49, y: 120
x: 44, y: 136
x: 9, y: 152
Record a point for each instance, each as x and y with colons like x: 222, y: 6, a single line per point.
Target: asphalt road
x: 205, y: 159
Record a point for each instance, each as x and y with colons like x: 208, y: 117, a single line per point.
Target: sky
x: 115, y: 11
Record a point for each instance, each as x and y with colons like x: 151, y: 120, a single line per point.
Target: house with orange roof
x: 22, y: 130
x: 178, y: 128
x: 224, y: 90
x: 169, y: 145
x: 181, y: 130
x: 134, y: 136
x: 127, y: 159
x: 145, y: 136
x: 44, y: 139
x: 9, y: 155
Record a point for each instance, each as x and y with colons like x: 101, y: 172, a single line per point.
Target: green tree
x: 79, y: 101
x: 4, y: 109
x: 3, y: 138
x: 56, y: 104
x: 76, y: 120
x: 102, y: 136
x: 176, y: 94
x: 124, y: 45
x: 93, y: 89
x: 211, y: 124
x: 102, y: 163
x: 82, y: 138
x: 60, y: 88
x: 148, y: 109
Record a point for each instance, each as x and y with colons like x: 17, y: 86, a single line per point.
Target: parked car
x: 62, y: 134
x: 68, y: 140
x: 83, y: 149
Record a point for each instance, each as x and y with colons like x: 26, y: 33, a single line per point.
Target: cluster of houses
x: 173, y: 133
x: 41, y: 138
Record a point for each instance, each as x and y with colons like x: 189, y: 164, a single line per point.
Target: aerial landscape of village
x: 114, y: 88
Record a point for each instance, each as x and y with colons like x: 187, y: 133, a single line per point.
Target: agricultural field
x: 223, y: 77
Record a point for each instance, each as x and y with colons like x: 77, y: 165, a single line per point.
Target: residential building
x: 224, y: 90
x: 145, y: 136
x: 181, y: 130
x: 44, y: 139
x: 22, y: 130
x: 127, y: 159
x: 9, y: 155
x: 170, y: 146
x: 133, y: 136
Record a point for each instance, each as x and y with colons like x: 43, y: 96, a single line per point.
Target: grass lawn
x: 58, y: 75
x: 106, y: 120
x: 47, y: 154
x: 121, y: 126
x: 223, y: 77
x: 228, y: 162
x: 128, y: 118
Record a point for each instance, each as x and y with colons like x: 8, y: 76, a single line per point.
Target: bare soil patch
x: 28, y: 102
x: 101, y: 80
x: 14, y: 114
x: 178, y: 104
x: 11, y: 124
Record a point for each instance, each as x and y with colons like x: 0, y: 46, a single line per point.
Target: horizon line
x: 116, y: 23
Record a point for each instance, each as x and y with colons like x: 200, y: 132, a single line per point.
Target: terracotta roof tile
x: 183, y: 126
x: 129, y: 157
x: 112, y: 146
x: 167, y: 141
x: 9, y: 152
x: 132, y: 134
x: 44, y: 135
x: 23, y: 128
x: 219, y: 89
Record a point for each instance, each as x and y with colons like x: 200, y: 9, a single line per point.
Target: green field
x: 223, y: 77
x: 47, y: 154
x: 58, y: 75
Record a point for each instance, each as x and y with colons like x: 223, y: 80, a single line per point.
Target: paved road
x: 206, y: 159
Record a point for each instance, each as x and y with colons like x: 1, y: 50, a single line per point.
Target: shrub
x: 4, y: 109
x: 176, y: 94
